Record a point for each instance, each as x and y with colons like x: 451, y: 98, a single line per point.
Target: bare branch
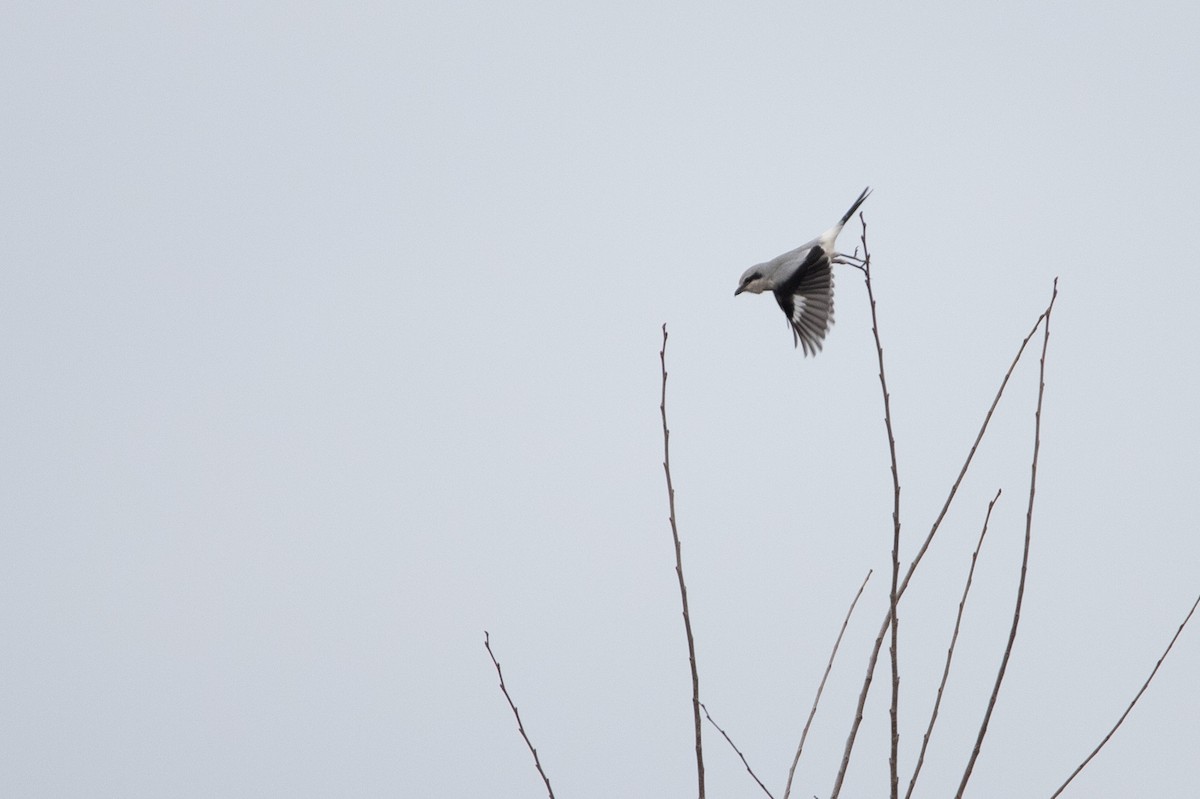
x: 1138, y: 696
x: 962, y: 603
x: 862, y: 701
x: 866, y: 689
x: 893, y: 621
x: 1012, y: 633
x: 894, y: 597
x: 687, y: 620
x: 821, y: 688
x: 739, y: 751
x: 520, y: 727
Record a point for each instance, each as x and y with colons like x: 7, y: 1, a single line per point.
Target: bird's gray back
x: 783, y: 267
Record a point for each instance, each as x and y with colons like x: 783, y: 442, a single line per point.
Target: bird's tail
x: 861, y: 198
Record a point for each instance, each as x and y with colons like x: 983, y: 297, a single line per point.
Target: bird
x: 802, y: 281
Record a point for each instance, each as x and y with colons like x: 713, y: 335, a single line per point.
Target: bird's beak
x: 739, y: 290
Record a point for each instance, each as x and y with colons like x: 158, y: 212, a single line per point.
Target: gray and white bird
x: 802, y: 281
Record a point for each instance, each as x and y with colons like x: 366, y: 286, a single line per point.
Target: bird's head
x: 753, y: 280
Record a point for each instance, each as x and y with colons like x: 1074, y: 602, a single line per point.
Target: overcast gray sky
x: 329, y: 336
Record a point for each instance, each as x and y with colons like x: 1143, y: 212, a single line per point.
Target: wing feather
x: 806, y: 299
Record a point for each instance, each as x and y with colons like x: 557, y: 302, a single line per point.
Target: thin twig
x: 687, y: 620
x: 787, y: 791
x: 962, y: 603
x: 892, y: 621
x: 739, y: 751
x: 894, y: 597
x: 866, y: 689
x: 862, y: 701
x: 1012, y: 633
x: 520, y: 727
x: 1145, y: 685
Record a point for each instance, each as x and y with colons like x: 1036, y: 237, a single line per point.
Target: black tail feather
x: 861, y: 198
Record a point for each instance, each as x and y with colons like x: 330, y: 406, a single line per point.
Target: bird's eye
x: 751, y: 279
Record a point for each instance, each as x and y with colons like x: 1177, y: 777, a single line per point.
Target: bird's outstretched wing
x: 807, y: 300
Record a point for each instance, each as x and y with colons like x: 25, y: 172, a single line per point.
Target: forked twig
x: 962, y: 603
x: 787, y: 791
x: 687, y: 620
x: 520, y: 727
x: 1012, y: 633
x: 1138, y: 696
x: 866, y: 689
x: 739, y: 751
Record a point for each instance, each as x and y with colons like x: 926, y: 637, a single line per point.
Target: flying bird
x: 802, y: 281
